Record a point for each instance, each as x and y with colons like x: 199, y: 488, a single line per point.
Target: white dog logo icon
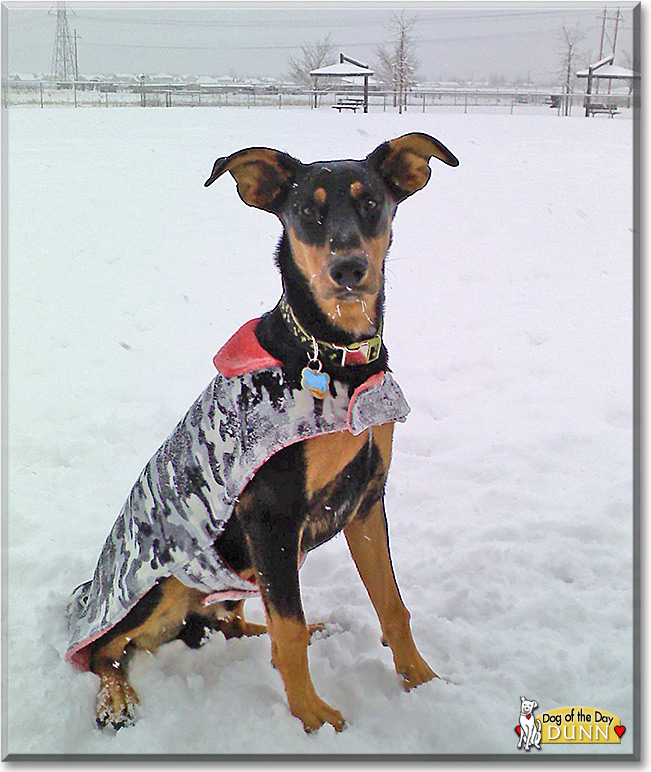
x: 529, y: 725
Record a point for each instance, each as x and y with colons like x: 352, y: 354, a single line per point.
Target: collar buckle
x: 361, y: 353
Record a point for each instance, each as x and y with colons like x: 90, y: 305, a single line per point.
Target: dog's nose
x: 348, y: 272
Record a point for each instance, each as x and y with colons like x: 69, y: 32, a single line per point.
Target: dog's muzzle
x: 350, y: 272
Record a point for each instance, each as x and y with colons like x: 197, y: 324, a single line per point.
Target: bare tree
x: 314, y: 56
x: 396, y: 62
x: 386, y: 71
x: 568, y: 40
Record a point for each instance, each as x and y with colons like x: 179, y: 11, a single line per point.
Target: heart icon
x: 620, y: 730
x: 519, y: 730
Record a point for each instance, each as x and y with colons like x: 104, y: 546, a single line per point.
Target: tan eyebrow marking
x: 320, y: 196
x: 356, y: 189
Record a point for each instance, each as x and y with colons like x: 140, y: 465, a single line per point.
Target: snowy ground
x: 510, y: 504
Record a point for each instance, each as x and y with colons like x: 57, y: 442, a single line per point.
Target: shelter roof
x: 341, y: 70
x: 611, y: 72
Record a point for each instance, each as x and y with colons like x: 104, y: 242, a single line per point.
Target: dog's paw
x: 415, y: 673
x: 116, y: 703
x: 316, y: 627
x: 324, y: 630
x: 314, y: 713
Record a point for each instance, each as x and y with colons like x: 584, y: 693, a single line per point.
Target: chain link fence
x: 84, y: 94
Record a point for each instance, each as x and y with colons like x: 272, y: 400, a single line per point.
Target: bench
x: 348, y: 104
x: 601, y: 107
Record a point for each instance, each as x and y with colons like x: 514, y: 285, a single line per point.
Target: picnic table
x: 348, y: 104
x: 602, y: 107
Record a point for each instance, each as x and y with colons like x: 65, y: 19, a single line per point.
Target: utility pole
x: 606, y: 38
x: 64, y: 67
x: 76, y: 59
x: 603, y: 34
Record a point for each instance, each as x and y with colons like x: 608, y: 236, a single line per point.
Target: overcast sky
x: 257, y: 39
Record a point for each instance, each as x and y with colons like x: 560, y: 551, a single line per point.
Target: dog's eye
x: 368, y: 205
x: 308, y: 211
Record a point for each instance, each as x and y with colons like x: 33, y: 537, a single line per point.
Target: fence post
x: 280, y: 101
x: 74, y: 87
x: 423, y: 102
x: 465, y: 109
x: 41, y: 85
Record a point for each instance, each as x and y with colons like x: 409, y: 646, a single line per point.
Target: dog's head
x: 337, y: 218
x: 527, y: 707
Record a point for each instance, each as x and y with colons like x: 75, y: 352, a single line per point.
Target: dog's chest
x: 339, y: 470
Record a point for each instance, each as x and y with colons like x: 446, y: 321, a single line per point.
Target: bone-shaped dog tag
x: 317, y: 382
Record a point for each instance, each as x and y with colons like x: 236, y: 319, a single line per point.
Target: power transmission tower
x: 64, y: 66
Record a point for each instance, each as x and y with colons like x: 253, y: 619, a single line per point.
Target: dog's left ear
x: 403, y: 162
x: 263, y: 176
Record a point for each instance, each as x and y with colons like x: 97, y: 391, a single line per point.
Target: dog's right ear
x: 263, y: 176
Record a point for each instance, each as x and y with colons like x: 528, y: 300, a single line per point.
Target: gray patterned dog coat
x: 188, y: 490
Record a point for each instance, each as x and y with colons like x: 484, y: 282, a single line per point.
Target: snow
x: 509, y: 324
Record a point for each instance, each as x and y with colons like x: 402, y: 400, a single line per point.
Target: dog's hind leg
x: 116, y: 698
x: 155, y: 619
x: 236, y: 626
x: 231, y: 622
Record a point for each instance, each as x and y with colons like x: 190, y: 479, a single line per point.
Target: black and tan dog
x: 337, y: 219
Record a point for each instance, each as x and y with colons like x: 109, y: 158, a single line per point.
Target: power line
x: 324, y: 22
x: 214, y: 47
x: 356, y: 44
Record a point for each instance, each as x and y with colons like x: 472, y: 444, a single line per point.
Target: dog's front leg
x: 273, y: 541
x: 289, y: 640
x: 369, y: 545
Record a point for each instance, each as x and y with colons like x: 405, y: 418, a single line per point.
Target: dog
x: 530, y: 733
x: 288, y: 446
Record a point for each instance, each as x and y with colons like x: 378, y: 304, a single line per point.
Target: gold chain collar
x: 362, y: 353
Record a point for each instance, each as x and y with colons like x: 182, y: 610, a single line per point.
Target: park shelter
x: 347, y: 68
x: 606, y: 70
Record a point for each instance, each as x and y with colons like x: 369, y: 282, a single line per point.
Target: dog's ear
x: 403, y: 162
x: 263, y: 176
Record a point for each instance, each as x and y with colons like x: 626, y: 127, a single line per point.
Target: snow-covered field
x: 509, y: 323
